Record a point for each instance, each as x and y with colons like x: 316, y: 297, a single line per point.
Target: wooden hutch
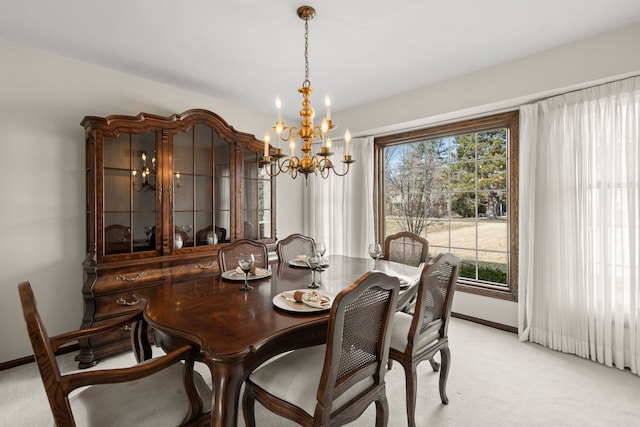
x: 163, y: 194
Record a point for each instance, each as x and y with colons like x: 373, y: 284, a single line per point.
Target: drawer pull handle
x: 126, y: 328
x: 122, y: 301
x: 208, y: 266
x: 131, y: 279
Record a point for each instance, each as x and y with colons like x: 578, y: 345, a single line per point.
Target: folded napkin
x: 255, y: 271
x: 311, y: 298
x: 302, y: 258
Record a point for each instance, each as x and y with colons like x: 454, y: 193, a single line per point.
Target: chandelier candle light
x: 319, y: 162
x: 145, y: 185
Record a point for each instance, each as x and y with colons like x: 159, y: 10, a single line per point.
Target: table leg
x: 227, y: 381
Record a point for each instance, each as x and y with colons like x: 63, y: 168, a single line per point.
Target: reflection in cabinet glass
x: 201, y: 183
x: 129, y: 183
x: 163, y: 195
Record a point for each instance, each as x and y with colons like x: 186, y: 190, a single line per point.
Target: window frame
x: 509, y: 120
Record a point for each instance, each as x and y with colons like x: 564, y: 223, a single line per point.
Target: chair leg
x: 248, y: 406
x: 410, y: 373
x: 434, y: 365
x: 382, y: 412
x: 445, y: 358
x: 389, y: 364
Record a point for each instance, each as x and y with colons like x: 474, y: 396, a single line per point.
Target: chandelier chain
x: 306, y: 82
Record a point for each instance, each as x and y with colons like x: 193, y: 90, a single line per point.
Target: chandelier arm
x: 345, y: 172
x: 324, y: 172
x: 267, y: 168
x: 292, y: 133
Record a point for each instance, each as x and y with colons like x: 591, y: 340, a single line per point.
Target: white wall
x: 43, y: 98
x: 509, y: 85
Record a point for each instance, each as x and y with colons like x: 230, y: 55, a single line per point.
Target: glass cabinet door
x: 201, y: 188
x: 129, y: 196
x: 257, y: 198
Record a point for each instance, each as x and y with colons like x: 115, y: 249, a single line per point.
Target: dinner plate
x: 288, y: 304
x: 303, y: 264
x: 236, y: 277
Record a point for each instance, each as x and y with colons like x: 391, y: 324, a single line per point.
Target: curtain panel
x: 579, y: 223
x: 340, y: 209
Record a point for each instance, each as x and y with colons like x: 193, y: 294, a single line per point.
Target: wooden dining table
x: 236, y: 331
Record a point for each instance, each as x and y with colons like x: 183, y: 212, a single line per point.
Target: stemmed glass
x: 314, y: 261
x: 375, y: 252
x: 246, y: 262
x: 147, y: 231
x: 321, y: 248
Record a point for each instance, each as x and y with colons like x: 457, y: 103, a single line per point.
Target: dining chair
x: 293, y: 245
x: 406, y: 247
x: 164, y: 391
x: 228, y: 255
x: 420, y: 336
x: 117, y: 239
x: 179, y: 231
x: 202, y: 234
x: 332, y: 384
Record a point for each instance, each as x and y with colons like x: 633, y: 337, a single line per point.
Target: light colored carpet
x: 494, y: 381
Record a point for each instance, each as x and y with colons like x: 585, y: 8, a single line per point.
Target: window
x: 457, y: 186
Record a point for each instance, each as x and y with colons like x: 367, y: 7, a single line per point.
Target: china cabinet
x: 163, y: 194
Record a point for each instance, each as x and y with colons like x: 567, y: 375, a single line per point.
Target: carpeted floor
x: 494, y: 381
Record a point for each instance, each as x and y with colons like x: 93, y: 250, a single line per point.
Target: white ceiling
x: 249, y: 51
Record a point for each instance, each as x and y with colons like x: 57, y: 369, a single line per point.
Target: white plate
x: 300, y: 307
x: 303, y: 264
x: 232, y: 275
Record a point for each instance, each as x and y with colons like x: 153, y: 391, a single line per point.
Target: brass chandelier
x: 307, y: 132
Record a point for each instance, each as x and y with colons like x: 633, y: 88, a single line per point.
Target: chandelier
x: 144, y: 184
x: 320, y: 162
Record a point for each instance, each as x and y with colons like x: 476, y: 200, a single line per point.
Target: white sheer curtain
x: 579, y: 223
x: 340, y: 209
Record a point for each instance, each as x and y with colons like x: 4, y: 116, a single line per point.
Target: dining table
x: 236, y: 331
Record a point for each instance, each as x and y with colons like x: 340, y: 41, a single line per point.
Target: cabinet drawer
x: 117, y: 280
x: 112, y: 305
x: 194, y: 269
x: 120, y: 336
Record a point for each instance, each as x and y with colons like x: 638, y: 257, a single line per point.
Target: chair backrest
x: 435, y: 295
x: 45, y: 357
x: 201, y: 235
x: 294, y: 245
x: 228, y: 255
x: 177, y: 230
x: 358, y: 341
x: 406, y: 247
x: 117, y: 239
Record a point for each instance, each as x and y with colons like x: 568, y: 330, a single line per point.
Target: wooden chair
x: 333, y: 384
x: 294, y: 245
x: 418, y: 337
x: 406, y: 247
x: 228, y: 255
x: 163, y: 391
x: 117, y: 239
x: 179, y: 231
x: 201, y: 235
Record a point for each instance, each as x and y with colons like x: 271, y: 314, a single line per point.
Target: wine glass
x: 375, y: 251
x: 246, y: 262
x: 321, y: 248
x: 314, y: 261
x: 147, y: 231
